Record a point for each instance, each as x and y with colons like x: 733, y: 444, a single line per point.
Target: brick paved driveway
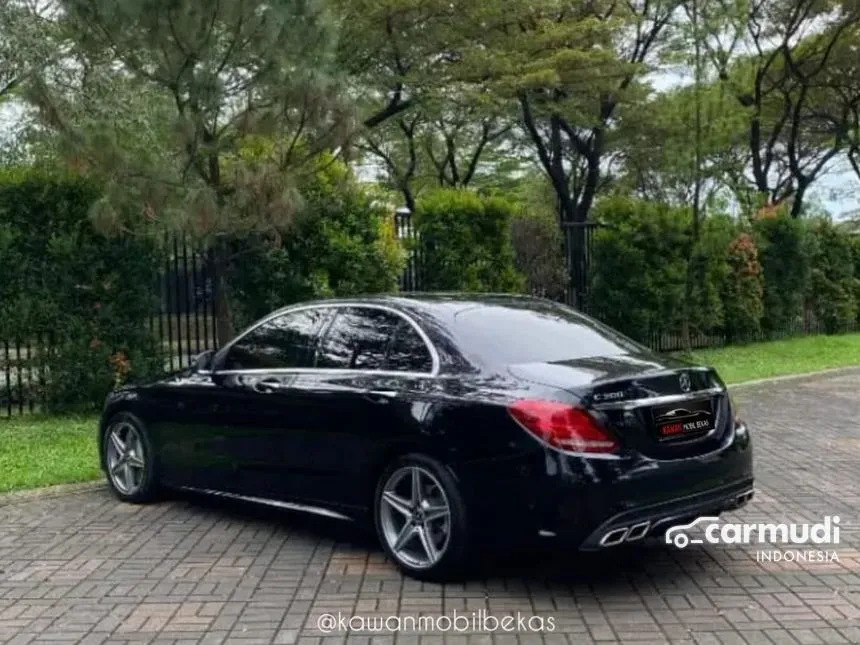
x: 84, y: 568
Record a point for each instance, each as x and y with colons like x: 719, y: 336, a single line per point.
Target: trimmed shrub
x: 640, y: 266
x: 742, y: 290
x: 832, y: 287
x: 783, y: 254
x: 465, y: 242
x: 710, y: 269
x: 79, y: 299
x: 855, y: 253
x: 342, y: 243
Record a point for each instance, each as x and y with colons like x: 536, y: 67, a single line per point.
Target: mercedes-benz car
x: 446, y: 422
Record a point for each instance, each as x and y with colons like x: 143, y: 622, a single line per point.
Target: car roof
x: 443, y: 305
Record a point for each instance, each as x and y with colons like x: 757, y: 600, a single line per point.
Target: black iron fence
x: 185, y: 320
x: 185, y: 324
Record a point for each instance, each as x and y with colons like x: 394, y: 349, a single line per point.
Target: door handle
x: 380, y: 396
x: 268, y: 385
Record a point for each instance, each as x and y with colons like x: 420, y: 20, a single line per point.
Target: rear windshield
x: 531, y: 332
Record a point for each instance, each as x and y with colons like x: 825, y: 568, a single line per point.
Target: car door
x: 372, y: 366
x: 263, y: 399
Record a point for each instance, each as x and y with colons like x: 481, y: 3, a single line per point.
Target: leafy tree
x: 213, y: 79
x: 774, y: 57
x: 568, y: 68
x: 392, y: 52
x: 342, y: 243
x: 25, y: 43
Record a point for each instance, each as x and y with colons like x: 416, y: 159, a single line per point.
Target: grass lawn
x: 41, y: 450
x: 794, y: 356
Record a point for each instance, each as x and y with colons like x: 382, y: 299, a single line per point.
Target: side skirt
x: 290, y: 506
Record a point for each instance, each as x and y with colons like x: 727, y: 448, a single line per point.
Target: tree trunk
x: 218, y: 262
x: 797, y: 200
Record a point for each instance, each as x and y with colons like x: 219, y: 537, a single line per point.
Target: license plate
x: 683, y: 420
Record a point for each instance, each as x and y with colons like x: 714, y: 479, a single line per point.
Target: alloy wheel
x: 125, y: 458
x: 415, y: 517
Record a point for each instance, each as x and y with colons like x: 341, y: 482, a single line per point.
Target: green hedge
x: 784, y: 255
x: 639, y: 266
x: 77, y: 298
x: 768, y: 278
x: 831, y: 293
x: 464, y: 242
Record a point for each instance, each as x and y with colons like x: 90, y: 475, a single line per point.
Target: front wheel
x: 129, y: 460
x: 421, y: 518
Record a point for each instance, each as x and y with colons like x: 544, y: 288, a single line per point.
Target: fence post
x: 410, y: 279
x: 578, y: 243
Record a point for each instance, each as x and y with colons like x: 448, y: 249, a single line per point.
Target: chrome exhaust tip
x: 638, y: 531
x: 614, y: 537
x: 744, y: 498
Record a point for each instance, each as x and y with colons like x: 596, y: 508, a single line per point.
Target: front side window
x: 285, y: 341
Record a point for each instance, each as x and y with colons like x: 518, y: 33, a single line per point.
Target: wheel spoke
x: 127, y: 476
x: 427, y: 543
x: 117, y: 467
x: 406, y: 534
x: 416, y: 486
x: 117, y: 443
x: 435, y: 512
x: 397, y: 503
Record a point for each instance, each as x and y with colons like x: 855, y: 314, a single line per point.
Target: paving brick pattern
x: 83, y: 568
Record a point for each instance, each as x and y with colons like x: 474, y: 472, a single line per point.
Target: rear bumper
x: 579, y: 499
x: 656, y: 519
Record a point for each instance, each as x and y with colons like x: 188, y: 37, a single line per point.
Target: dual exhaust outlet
x: 640, y: 530
x: 742, y: 499
x: 625, y: 534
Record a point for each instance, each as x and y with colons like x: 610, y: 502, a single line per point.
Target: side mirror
x: 203, y: 361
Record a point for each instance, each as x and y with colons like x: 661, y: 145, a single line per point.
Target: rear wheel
x: 129, y: 461
x: 421, y: 518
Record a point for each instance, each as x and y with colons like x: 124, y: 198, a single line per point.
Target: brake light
x: 734, y: 409
x: 563, y: 426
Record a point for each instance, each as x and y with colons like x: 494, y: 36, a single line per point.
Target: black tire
x: 148, y: 488
x: 452, y: 564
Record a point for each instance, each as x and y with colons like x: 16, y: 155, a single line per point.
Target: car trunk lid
x: 659, y: 406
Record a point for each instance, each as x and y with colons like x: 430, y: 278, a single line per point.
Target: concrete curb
x: 795, y: 377
x: 59, y: 490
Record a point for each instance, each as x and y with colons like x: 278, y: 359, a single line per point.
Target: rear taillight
x: 563, y: 426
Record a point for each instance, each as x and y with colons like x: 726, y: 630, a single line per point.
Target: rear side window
x: 358, y: 339
x: 365, y: 338
x: 283, y: 342
x: 408, y: 352
x: 533, y: 332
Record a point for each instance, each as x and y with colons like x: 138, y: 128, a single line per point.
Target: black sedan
x: 445, y: 421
